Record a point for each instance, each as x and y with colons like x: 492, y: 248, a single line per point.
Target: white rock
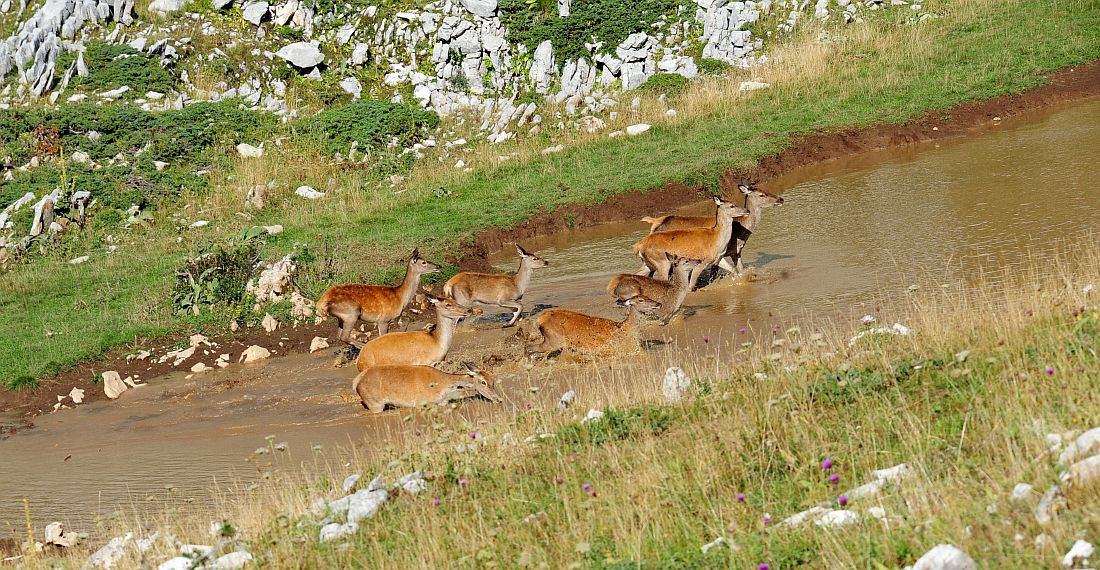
x: 269, y: 323
x: 593, y: 416
x: 566, y: 400
x: 77, y: 395
x: 349, y: 482
x: 1083, y: 473
x: 553, y: 149
x: 195, y: 340
x: 255, y: 12
x: 309, y: 193
x: 318, y: 343
x: 675, y: 384
x: 79, y: 260
x: 895, y: 473
x: 113, y: 93
x: 799, y: 519
x: 483, y: 8
x: 1049, y: 504
x: 232, y: 561
x: 301, y: 54
x: 635, y: 130
x: 837, y: 519
x: 56, y: 535
x: 1021, y: 492
x: 413, y: 483
x: 177, y: 563
x: 199, y: 368
x: 352, y: 87
x: 248, y: 151
x: 1086, y: 444
x: 254, y: 354
x: 274, y: 280
x: 111, y: 553
x: 113, y: 385
x: 365, y: 504
x: 945, y: 557
x: 1079, y: 553
x: 877, y: 512
x: 200, y: 223
x: 166, y: 6
x: 753, y: 85
x: 333, y: 531
x: 716, y: 542
x: 274, y: 230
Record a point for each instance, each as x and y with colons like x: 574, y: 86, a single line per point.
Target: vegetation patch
x: 111, y: 66
x: 369, y: 125
x: 667, y: 83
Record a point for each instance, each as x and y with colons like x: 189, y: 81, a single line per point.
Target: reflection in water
x: 849, y: 229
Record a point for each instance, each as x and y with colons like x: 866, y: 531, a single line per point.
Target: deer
x: 706, y: 244
x: 670, y: 294
x: 412, y: 386
x: 378, y: 304
x: 561, y: 328
x: 504, y: 291
x: 423, y: 348
x: 755, y: 201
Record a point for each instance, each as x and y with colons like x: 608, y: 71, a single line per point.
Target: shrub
x: 111, y: 66
x: 609, y: 21
x: 217, y: 276
x: 372, y: 124
x: 667, y: 83
x: 711, y: 66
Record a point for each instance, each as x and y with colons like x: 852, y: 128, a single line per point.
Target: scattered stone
x: 199, y: 368
x: 197, y: 339
x: 364, y: 504
x: 77, y: 395
x: 710, y: 545
x: 837, y: 519
x: 56, y: 535
x: 566, y: 400
x: 273, y: 281
x: 483, y: 8
x: 753, y: 85
x: 1086, y: 444
x: 895, y: 473
x: 318, y: 343
x: 254, y: 354
x: 232, y: 561
x: 301, y: 307
x: 333, y: 531
x: 164, y: 7
x: 79, y: 260
x: 413, y: 483
x: 111, y: 553
x: 593, y: 416
x: 349, y: 482
x: 273, y: 230
x: 1078, y: 555
x: 553, y: 149
x: 945, y: 557
x: 1051, y: 502
x: 255, y: 12
x: 877, y: 512
x: 301, y: 54
x: 269, y: 323
x: 1021, y: 492
x: 113, y: 385
x: 248, y: 151
x: 309, y: 193
x: 635, y: 130
x: 1083, y: 473
x: 177, y: 563
x: 675, y: 384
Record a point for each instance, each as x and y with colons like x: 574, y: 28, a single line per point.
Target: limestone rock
x: 232, y: 561
x: 273, y: 281
x: 1078, y: 555
x: 483, y: 8
x: 56, y: 535
x: 113, y: 385
x: 945, y: 557
x: 111, y: 553
x: 675, y: 384
x: 1086, y: 444
x: 753, y: 85
x: 254, y: 354
x: 255, y: 12
x: 248, y: 151
x: 1083, y: 473
x: 301, y: 54
x: 333, y: 531
x: 837, y: 519
x: 269, y: 323
x: 77, y: 395
x: 1021, y: 492
x: 301, y: 307
x: 318, y: 343
x: 635, y: 130
x: 309, y: 193
x: 166, y: 6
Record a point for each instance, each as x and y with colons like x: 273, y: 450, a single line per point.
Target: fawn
x: 670, y: 294
x: 412, y: 386
x: 562, y: 328
x: 502, y: 290
x: 707, y: 244
x: 425, y: 348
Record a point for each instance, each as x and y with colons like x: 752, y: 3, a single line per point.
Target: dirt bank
x: 17, y: 408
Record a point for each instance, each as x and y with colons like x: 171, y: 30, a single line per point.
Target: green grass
x: 986, y: 50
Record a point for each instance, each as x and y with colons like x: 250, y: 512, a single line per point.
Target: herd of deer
x: 398, y: 368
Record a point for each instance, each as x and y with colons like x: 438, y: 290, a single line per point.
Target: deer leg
x: 548, y: 343
x: 695, y: 273
x: 726, y: 264
x: 375, y: 406
x: 383, y: 326
x: 516, y: 310
x: 347, y: 323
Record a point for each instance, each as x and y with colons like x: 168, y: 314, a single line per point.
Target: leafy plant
x: 111, y: 66
x: 711, y: 66
x: 370, y: 124
x: 667, y: 83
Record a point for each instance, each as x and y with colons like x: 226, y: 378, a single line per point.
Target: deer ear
x: 433, y: 300
x: 717, y: 200
x: 471, y: 368
x: 522, y: 252
x: 744, y: 188
x: 416, y: 254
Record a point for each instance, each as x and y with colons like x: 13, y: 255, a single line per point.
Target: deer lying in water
x: 561, y: 328
x: 412, y: 386
x: 502, y: 290
x: 378, y: 304
x: 755, y: 201
x: 424, y: 348
x: 670, y: 294
x: 707, y: 244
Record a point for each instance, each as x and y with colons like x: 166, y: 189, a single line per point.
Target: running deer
x: 706, y: 244
x: 425, y: 348
x: 670, y: 294
x: 561, y: 328
x: 378, y: 304
x: 755, y: 201
x: 412, y: 386
x: 501, y: 290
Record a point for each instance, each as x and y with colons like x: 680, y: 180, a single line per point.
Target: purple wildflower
x: 763, y: 566
x: 740, y: 497
x: 827, y: 464
x: 834, y: 478
x: 586, y: 486
x: 436, y: 502
x: 843, y: 500
x: 1050, y: 371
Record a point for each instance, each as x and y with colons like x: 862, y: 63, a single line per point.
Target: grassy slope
x: 667, y: 477
x: 886, y: 71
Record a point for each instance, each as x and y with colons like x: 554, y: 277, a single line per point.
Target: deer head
x: 483, y: 383
x: 448, y: 308
x: 757, y: 198
x: 419, y: 265
x: 533, y: 261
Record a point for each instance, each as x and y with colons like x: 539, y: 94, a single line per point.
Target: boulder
x: 166, y: 6
x: 56, y: 535
x: 301, y: 54
x: 635, y: 130
x: 309, y: 193
x: 232, y: 561
x: 1086, y: 444
x: 255, y: 12
x: 483, y: 8
x: 333, y: 531
x: 352, y: 87
x: 1078, y: 555
x: 113, y: 385
x: 254, y: 354
x: 675, y: 384
x: 945, y: 557
x: 248, y: 151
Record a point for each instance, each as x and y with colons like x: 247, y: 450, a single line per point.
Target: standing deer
x: 755, y: 201
x: 502, y: 290
x: 424, y: 348
x: 706, y: 244
x: 412, y: 386
x: 670, y: 294
x: 378, y: 304
x: 561, y: 328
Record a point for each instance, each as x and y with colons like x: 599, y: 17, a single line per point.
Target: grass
x: 650, y: 482
x: 888, y: 70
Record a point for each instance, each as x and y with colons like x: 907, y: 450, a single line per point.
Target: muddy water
x: 853, y: 234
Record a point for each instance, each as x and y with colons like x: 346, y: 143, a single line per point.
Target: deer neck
x: 522, y: 276
x: 724, y: 226
x: 444, y: 330
x: 756, y: 211
x: 681, y: 285
x: 407, y: 288
x: 632, y: 317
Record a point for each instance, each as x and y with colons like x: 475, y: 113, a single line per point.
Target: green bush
x: 216, y: 276
x: 711, y: 66
x: 111, y: 66
x: 667, y: 83
x: 373, y: 124
x: 609, y: 21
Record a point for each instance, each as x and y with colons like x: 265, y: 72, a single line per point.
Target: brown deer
x: 378, y: 304
x: 707, y: 244
x: 562, y: 328
x: 755, y: 202
x: 424, y: 348
x: 412, y: 386
x: 501, y: 290
x: 670, y: 294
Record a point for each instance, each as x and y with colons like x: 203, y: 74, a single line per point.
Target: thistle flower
x: 706, y: 339
x: 1050, y: 371
x: 827, y: 464
x: 843, y: 500
x: 763, y: 566
x: 767, y: 519
x: 834, y: 478
x: 473, y: 435
x: 740, y: 497
x: 436, y: 502
x: 743, y: 330
x: 587, y: 486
